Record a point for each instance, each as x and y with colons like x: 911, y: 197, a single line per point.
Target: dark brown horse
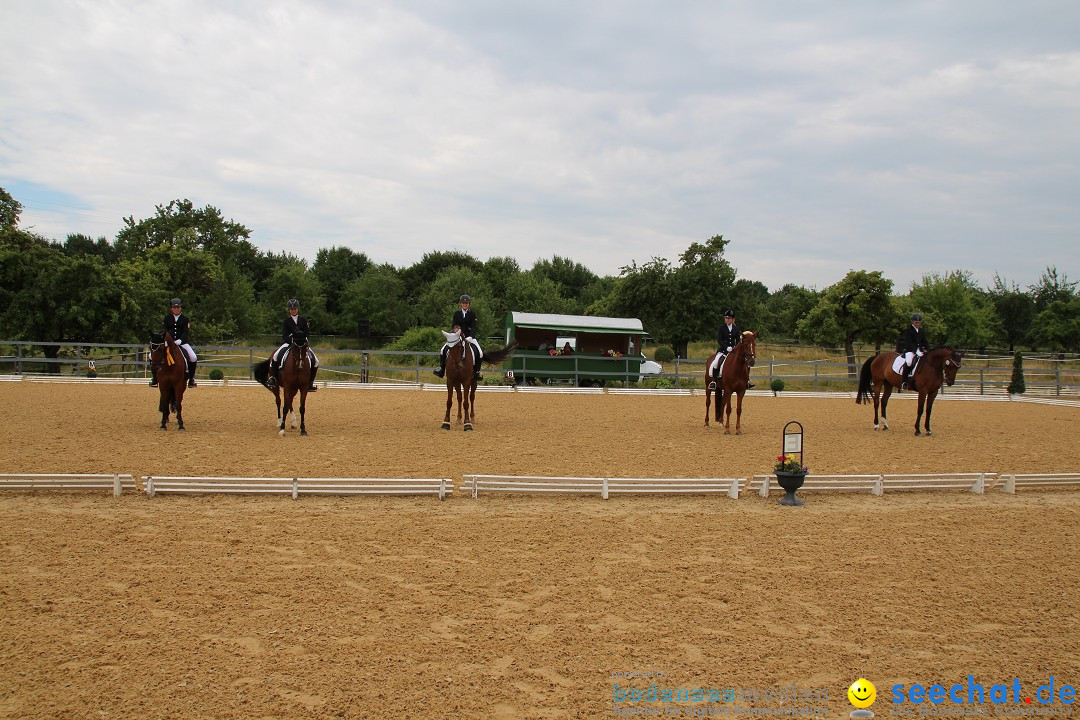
x: 461, y: 376
x: 168, y: 360
x: 294, y: 377
x: 733, y: 379
x: 934, y: 368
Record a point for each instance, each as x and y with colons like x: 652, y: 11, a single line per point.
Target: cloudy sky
x: 817, y: 137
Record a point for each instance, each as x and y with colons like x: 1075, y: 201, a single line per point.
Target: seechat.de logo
x: 862, y: 694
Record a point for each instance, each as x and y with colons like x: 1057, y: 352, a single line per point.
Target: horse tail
x: 499, y: 356
x: 866, y: 381
x: 261, y: 371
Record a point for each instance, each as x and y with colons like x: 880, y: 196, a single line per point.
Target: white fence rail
x: 879, y: 484
x: 36, y: 481
x: 192, y: 485
x: 1039, y: 480
x: 605, y: 487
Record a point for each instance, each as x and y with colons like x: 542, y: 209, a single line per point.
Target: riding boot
x: 442, y: 366
x: 191, y: 375
x: 314, y: 372
x: 153, y: 377
x: 476, y: 368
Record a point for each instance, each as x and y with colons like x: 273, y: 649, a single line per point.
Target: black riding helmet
x: 465, y: 298
x: 176, y: 303
x: 293, y: 304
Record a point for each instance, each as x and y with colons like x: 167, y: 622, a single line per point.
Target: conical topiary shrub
x: 1016, y: 384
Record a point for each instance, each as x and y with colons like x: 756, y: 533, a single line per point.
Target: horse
x: 934, y: 368
x: 733, y: 379
x: 461, y: 376
x: 295, y: 376
x: 168, y: 359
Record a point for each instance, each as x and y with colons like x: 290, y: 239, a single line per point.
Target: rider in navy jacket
x: 177, y: 325
x: 294, y: 325
x: 464, y: 318
x: 728, y: 335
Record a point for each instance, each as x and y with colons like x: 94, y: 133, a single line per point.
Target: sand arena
x: 517, y: 607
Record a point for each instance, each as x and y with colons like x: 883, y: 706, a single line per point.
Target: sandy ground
x: 518, y: 607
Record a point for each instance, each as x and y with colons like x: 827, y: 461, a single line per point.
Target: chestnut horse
x: 734, y: 378
x: 168, y: 359
x: 461, y: 376
x: 295, y: 376
x: 934, y: 368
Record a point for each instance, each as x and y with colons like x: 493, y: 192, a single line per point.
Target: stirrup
x: 312, y: 388
x: 438, y: 372
x: 153, y: 383
x: 191, y: 383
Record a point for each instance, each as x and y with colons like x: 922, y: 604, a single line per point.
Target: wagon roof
x: 580, y: 323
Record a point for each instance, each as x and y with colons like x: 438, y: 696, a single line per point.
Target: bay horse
x: 295, y: 376
x: 734, y: 377
x: 461, y: 376
x: 934, y: 368
x: 168, y: 360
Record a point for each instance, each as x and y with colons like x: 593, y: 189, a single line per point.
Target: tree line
x: 95, y: 290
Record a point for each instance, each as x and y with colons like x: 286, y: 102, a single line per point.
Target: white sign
x: 793, y: 443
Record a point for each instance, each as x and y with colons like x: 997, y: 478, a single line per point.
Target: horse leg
x: 449, y: 405
x: 708, y: 403
x: 460, y: 401
x: 885, y: 394
x: 303, y: 402
x: 738, y: 415
x: 286, y: 408
x: 922, y: 402
x: 929, y: 408
x: 179, y: 412
x: 470, y: 398
x: 277, y: 401
x: 727, y: 413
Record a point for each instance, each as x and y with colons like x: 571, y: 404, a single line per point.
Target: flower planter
x: 790, y: 481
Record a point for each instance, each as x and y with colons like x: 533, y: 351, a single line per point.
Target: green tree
x: 10, y: 210
x: 1014, y: 310
x: 1016, y: 384
x: 378, y: 295
x: 571, y: 278
x: 786, y: 307
x: 420, y: 275
x: 532, y: 292
x: 1051, y: 288
x: 336, y: 268
x: 957, y: 311
x: 856, y: 308
x: 1058, y: 326
x: 437, y: 305
x: 294, y: 280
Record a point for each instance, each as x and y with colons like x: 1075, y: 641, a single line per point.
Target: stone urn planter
x: 790, y: 481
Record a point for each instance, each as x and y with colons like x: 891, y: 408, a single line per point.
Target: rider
x: 727, y: 337
x: 177, y: 325
x: 912, y: 344
x: 465, y: 319
x: 294, y: 324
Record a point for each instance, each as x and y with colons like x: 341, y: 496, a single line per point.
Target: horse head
x: 952, y: 365
x: 159, y: 348
x: 749, y: 348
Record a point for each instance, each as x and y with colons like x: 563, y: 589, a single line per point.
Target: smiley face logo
x: 862, y: 693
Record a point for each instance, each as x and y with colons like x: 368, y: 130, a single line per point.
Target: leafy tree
x: 750, y: 300
x: 1014, y: 310
x: 420, y: 275
x: 336, y: 268
x: 378, y: 295
x: 1058, y: 326
x: 570, y: 278
x: 856, y: 308
x: 786, y: 307
x: 1051, y: 288
x: 294, y: 280
x: 1016, y: 384
x: 957, y: 311
x: 533, y: 292
x: 420, y: 339
x: 10, y: 210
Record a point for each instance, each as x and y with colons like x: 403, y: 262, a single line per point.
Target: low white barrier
x: 1043, y: 480
x: 836, y: 483
x: 879, y: 484
x: 602, y: 486
x: 36, y: 481
x: 297, y: 486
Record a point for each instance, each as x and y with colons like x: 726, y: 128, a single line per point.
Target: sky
x: 817, y: 137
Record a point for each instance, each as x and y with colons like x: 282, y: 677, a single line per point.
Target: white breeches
x: 479, y: 350
x: 189, y: 351
x: 717, y: 362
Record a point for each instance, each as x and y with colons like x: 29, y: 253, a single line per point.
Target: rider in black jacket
x: 293, y: 325
x: 177, y: 325
x: 464, y: 318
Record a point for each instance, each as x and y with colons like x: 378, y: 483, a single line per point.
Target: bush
x: 1016, y: 384
x: 420, y: 339
x: 216, y: 374
x: 663, y: 354
x: 776, y: 385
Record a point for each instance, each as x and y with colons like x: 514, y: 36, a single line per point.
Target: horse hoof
x: 445, y: 426
x: 918, y: 434
x: 281, y: 433
x: 180, y: 429
x: 727, y: 432
x: 928, y: 433
x: 468, y: 427
x: 164, y: 428
x: 303, y: 433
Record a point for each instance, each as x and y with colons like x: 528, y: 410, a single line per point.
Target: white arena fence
x: 604, y: 487
x: 115, y: 482
x: 1040, y: 480
x: 190, y: 485
x: 880, y: 484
